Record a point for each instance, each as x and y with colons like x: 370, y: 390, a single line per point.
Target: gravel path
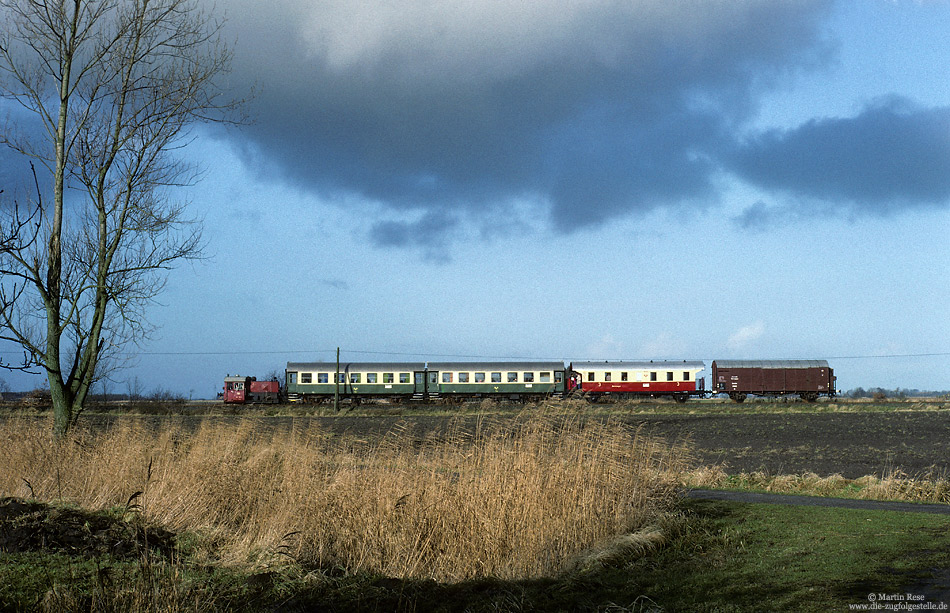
x: 816, y: 501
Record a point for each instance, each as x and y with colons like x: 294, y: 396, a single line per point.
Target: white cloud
x: 607, y: 348
x: 663, y: 346
x: 498, y: 38
x: 746, y: 335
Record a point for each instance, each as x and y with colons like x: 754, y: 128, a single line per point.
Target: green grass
x: 752, y: 557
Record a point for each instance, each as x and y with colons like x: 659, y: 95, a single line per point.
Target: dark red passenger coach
x: 808, y: 379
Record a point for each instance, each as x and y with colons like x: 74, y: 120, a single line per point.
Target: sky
x: 591, y: 180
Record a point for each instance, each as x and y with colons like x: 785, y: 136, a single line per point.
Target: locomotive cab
x: 235, y: 389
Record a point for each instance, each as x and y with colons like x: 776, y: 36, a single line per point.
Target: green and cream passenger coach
x: 514, y: 380
x: 320, y: 381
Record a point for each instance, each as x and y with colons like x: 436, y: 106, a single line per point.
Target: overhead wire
x: 501, y: 357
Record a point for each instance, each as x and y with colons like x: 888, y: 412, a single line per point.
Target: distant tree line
x: 880, y: 393
x: 132, y: 389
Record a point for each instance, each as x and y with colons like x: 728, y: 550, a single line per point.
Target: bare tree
x: 114, y: 87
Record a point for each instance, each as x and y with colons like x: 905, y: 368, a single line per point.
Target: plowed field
x: 850, y: 444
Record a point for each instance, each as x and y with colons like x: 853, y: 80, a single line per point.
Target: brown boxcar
x: 806, y: 378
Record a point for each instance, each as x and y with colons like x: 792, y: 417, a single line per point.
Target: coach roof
x: 771, y: 363
x: 495, y: 366
x: 641, y: 365
x: 356, y: 366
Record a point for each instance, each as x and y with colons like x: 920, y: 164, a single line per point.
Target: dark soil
x: 34, y: 526
x: 849, y: 444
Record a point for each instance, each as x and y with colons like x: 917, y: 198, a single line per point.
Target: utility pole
x: 336, y: 393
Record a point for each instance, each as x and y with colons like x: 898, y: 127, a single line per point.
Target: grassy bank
x: 750, y: 557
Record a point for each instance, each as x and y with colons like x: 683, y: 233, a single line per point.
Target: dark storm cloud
x: 891, y: 155
x: 760, y: 216
x: 432, y: 234
x: 592, y: 110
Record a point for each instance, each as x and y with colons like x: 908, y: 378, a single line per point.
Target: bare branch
x: 115, y: 86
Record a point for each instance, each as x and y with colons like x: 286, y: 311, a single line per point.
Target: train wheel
x: 737, y: 396
x: 680, y: 398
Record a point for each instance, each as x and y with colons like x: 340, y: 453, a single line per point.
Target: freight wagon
x: 808, y: 379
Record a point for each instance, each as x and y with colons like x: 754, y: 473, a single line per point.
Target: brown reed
x: 509, y: 500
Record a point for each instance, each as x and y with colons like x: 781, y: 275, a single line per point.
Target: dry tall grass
x: 931, y: 487
x: 503, y: 501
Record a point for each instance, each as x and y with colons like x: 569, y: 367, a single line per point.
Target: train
x: 316, y: 382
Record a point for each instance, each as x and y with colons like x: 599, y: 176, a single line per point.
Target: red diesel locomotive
x: 248, y: 390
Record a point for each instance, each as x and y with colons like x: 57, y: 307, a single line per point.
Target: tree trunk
x: 62, y: 406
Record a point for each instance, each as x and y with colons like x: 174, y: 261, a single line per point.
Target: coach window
x: 545, y: 377
x: 434, y: 377
x: 496, y: 377
x: 387, y: 377
x: 291, y: 378
x: 590, y: 376
x: 479, y: 377
x: 355, y: 377
x: 685, y: 375
x: 607, y: 376
x: 323, y: 377
x: 372, y: 377
x: 446, y: 377
x: 306, y: 377
x: 463, y: 377
x: 669, y: 376
x: 404, y: 377
x: 623, y: 376
x: 341, y: 377
x: 653, y: 376
x: 512, y: 377
x: 529, y: 377
x: 558, y: 376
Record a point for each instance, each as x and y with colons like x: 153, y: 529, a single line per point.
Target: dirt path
x: 816, y: 501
